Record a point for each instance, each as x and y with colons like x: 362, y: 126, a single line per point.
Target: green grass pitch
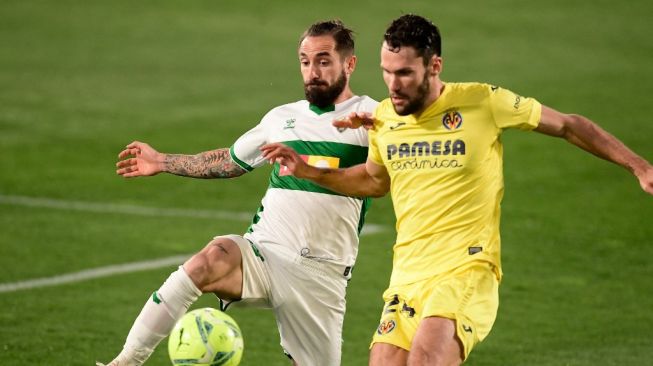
x: 80, y: 79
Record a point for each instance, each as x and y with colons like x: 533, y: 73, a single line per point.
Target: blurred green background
x: 81, y: 79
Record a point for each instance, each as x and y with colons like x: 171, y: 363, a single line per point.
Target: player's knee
x: 221, y: 250
x: 213, y: 262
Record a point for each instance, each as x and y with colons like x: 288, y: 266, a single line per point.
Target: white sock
x: 158, y: 317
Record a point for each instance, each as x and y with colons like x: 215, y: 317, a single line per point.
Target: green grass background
x: 80, y: 79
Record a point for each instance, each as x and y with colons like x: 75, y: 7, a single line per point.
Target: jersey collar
x: 320, y: 111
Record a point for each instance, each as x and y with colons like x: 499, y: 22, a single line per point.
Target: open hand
x: 286, y: 156
x: 356, y: 120
x: 145, y: 161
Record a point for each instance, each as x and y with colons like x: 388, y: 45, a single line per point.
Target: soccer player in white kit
x: 297, y: 255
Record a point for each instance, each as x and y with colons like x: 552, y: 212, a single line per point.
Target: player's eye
x: 403, y: 72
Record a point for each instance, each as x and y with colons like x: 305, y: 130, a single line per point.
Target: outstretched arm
x: 587, y: 135
x: 140, y: 159
x: 363, y: 180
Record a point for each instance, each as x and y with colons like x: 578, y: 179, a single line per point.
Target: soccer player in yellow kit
x: 436, y: 147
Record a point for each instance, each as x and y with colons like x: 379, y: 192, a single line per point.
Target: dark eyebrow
x: 319, y: 54
x: 404, y: 70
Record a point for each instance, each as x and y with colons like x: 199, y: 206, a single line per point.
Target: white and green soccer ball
x: 206, y: 337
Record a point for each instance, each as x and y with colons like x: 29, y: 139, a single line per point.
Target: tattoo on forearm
x: 209, y: 164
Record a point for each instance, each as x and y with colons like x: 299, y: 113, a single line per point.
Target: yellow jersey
x: 446, y: 172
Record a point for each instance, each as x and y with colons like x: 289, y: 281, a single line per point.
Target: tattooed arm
x: 146, y: 162
x: 208, y: 164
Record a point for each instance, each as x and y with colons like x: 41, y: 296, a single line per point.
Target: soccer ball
x: 205, y: 337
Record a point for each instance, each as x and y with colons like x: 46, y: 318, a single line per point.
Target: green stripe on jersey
x: 367, y: 202
x: 255, y: 219
x: 242, y: 164
x: 349, y: 155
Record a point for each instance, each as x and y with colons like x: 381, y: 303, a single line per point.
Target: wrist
x: 310, y: 172
x: 640, y: 168
x: 161, y: 161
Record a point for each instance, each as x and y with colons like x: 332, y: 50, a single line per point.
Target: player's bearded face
x: 412, y: 103
x: 322, y: 94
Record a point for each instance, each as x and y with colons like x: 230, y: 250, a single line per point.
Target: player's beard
x: 417, y: 103
x: 321, y: 94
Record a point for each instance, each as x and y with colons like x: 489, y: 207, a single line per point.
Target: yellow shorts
x: 469, y: 295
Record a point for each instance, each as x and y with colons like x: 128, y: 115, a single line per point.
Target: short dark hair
x: 343, y: 36
x: 414, y: 31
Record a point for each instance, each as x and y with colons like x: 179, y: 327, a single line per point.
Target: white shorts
x: 307, y: 297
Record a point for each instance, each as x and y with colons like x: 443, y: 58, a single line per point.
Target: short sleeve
x: 514, y: 111
x: 245, y: 151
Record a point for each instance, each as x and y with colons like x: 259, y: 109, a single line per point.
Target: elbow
x: 377, y: 194
x: 380, y: 190
x: 570, y: 124
x: 576, y: 127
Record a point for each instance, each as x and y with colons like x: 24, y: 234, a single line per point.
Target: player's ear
x: 435, y: 65
x: 350, y: 64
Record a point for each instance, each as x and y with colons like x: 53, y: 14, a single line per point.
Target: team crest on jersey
x: 386, y: 327
x: 452, y: 120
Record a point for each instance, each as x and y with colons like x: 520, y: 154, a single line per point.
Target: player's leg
x: 311, y: 329
x: 398, y: 324
x: 436, y: 343
x: 216, y: 268
x: 385, y: 354
x: 309, y: 304
x: 457, y: 313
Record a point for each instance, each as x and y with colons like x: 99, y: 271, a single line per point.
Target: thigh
x: 399, y: 320
x: 404, y: 337
x: 309, y: 304
x: 217, y: 268
x: 464, y: 305
x: 436, y: 343
x: 385, y: 354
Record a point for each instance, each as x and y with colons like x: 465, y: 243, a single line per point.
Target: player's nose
x: 315, y: 73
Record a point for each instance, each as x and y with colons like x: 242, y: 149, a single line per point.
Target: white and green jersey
x: 313, y: 221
